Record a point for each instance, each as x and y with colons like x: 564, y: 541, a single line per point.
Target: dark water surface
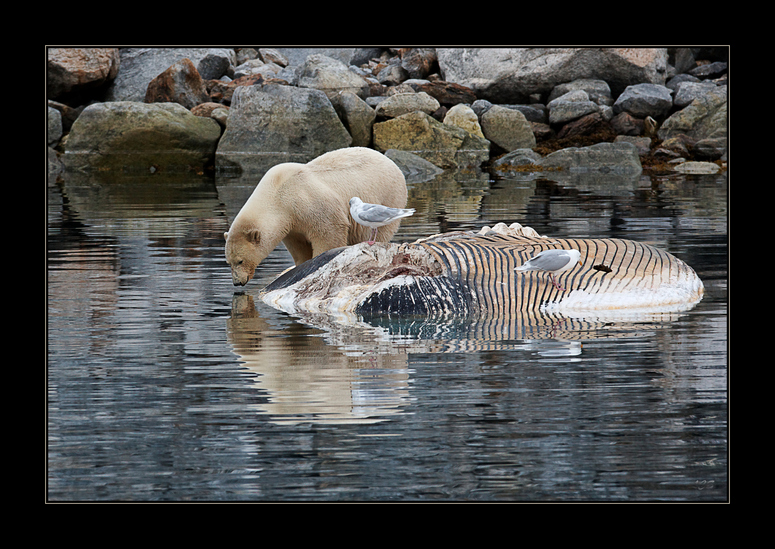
x: 167, y: 384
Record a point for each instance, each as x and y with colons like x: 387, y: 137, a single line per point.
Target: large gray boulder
x: 141, y: 65
x: 597, y: 90
x: 642, y: 100
x: 615, y: 158
x: 403, y: 103
x: 331, y: 76
x: 356, y: 115
x: 511, y: 75
x: 571, y: 106
x: 54, y: 126
x: 704, y: 118
x: 141, y: 137
x: 349, y: 56
x: 464, y: 118
x: 274, y: 123
x: 507, y: 128
x: 443, y: 145
x: 686, y: 92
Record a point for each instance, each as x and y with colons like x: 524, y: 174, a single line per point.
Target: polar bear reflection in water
x: 337, y: 374
x: 306, y: 207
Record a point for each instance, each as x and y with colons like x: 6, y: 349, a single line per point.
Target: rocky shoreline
x: 506, y: 110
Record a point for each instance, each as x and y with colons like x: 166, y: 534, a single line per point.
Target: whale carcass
x: 472, y: 275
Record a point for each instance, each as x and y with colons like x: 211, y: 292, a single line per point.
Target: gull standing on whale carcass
x: 375, y: 215
x: 552, y: 261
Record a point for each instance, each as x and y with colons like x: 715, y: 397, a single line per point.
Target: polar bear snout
x: 236, y: 280
x: 240, y: 275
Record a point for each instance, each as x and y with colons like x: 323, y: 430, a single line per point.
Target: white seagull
x: 375, y: 215
x: 552, y: 261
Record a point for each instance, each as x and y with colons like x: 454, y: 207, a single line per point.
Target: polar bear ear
x: 226, y: 236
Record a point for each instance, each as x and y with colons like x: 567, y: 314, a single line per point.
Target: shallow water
x: 165, y: 383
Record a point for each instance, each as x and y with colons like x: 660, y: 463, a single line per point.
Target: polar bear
x: 306, y: 206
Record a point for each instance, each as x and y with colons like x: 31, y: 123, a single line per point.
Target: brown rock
x: 376, y: 69
x: 447, y: 93
x: 69, y: 114
x: 419, y: 62
x: 626, y: 124
x: 76, y: 69
x: 270, y: 55
x: 586, y: 125
x: 206, y: 109
x: 666, y: 154
x: 180, y: 83
x: 542, y: 131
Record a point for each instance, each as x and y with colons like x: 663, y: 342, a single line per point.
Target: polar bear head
x: 243, y: 253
